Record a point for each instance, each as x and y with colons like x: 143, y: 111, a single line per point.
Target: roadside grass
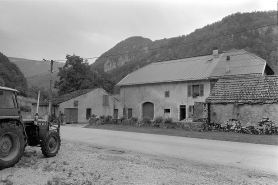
x: 212, y: 135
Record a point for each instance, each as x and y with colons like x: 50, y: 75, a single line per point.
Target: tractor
x: 16, y: 133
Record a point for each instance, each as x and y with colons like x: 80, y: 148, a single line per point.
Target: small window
x: 75, y: 103
x: 167, y: 94
x: 167, y: 113
x: 129, y: 113
x: 105, y: 100
x: 116, y: 112
x: 88, y: 113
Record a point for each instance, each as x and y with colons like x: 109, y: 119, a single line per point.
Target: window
x: 105, y: 100
x: 116, y: 112
x: 195, y: 90
x: 88, y: 113
x: 7, y: 99
x: 75, y: 103
x: 167, y: 113
x: 129, y: 113
x: 167, y: 94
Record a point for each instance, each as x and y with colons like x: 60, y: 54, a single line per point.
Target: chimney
x: 215, y: 51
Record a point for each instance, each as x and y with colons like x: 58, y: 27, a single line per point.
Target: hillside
x: 34, y: 67
x: 42, y: 81
x: 11, y: 76
x: 136, y: 52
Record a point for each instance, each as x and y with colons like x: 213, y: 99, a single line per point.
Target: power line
x: 183, y: 43
x: 159, y: 61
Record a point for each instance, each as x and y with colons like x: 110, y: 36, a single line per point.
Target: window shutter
x: 189, y: 90
x: 201, y: 89
x: 103, y: 97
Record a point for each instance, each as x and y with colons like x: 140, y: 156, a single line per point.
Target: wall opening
x: 182, y: 112
x: 148, y: 110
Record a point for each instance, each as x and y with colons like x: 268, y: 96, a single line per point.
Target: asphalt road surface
x: 243, y: 156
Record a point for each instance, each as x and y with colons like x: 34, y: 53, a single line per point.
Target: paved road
x: 240, y: 155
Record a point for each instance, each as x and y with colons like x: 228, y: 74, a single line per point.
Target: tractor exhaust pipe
x: 37, y: 112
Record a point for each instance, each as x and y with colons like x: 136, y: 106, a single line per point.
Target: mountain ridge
x: 262, y: 42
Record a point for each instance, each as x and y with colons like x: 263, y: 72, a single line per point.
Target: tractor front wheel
x: 51, y: 143
x: 12, y: 144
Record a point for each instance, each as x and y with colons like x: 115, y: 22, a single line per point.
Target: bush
x: 146, y: 121
x: 168, y: 121
x: 134, y: 119
x: 158, y: 121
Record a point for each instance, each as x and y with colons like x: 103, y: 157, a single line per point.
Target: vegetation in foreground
x: 212, y: 135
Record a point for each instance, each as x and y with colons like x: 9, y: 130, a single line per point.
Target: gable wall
x: 93, y: 100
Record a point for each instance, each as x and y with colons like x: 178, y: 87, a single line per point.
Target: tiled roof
x: 245, y: 89
x: 196, y: 68
x: 66, y: 97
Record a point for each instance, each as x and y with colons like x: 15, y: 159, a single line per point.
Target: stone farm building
x: 170, y: 88
x: 246, y: 98
x: 78, y: 106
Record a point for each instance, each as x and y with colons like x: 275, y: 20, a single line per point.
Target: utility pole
x: 50, y: 90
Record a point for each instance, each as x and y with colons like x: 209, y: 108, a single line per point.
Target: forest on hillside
x: 11, y: 76
x: 235, y: 31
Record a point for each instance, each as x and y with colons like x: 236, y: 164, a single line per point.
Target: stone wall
x: 245, y: 113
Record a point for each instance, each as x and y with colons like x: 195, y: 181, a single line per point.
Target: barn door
x: 71, y: 115
x: 148, y: 110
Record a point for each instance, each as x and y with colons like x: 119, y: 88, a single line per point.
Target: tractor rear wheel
x: 12, y: 144
x: 51, y: 143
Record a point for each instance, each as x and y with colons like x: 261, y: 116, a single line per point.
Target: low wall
x: 245, y: 113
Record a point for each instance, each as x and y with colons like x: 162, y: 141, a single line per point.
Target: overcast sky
x: 51, y: 29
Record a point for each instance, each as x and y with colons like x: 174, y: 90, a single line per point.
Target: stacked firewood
x: 265, y: 126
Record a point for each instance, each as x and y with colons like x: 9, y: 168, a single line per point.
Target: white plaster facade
x: 93, y: 100
x: 134, y: 96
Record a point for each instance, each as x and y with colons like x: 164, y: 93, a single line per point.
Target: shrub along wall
x: 147, y: 122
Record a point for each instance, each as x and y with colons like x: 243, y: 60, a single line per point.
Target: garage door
x: 148, y: 110
x: 71, y: 115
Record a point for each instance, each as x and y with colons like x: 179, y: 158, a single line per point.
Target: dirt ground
x: 84, y: 164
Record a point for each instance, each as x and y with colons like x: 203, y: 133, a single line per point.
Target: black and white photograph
x: 138, y: 92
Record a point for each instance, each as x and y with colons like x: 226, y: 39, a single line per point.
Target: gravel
x: 84, y: 164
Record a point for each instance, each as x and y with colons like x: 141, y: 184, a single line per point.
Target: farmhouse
x: 170, y: 88
x: 78, y: 106
x: 246, y: 98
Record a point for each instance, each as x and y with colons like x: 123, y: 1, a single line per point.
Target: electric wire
x: 166, y: 47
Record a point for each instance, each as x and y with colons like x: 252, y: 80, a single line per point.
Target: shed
x: 247, y: 98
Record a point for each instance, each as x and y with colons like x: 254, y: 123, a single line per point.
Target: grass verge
x: 212, y: 135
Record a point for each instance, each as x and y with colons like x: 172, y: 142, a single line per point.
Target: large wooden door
x: 71, y: 115
x: 148, y: 110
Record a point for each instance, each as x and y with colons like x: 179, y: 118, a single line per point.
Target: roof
x: 241, y: 62
x: 197, y: 68
x: 8, y: 89
x: 245, y: 89
x: 66, y: 97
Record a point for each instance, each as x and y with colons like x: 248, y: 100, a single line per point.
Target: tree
x: 77, y: 74
x: 11, y: 76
